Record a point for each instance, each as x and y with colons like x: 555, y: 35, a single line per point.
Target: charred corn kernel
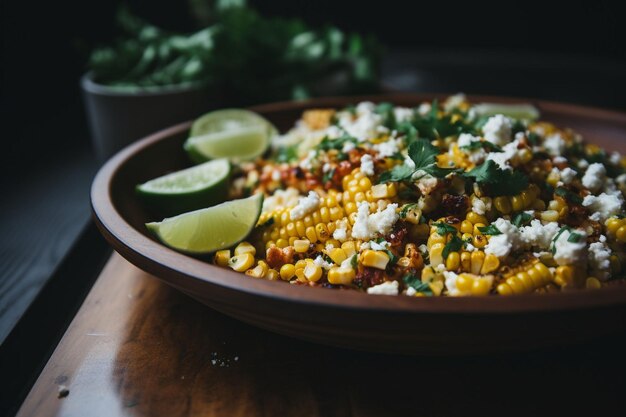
x: 422, y: 231
x: 490, y: 264
x: 436, y: 254
x: 411, y: 213
x: 374, y: 259
x: 313, y: 272
x: 477, y: 259
x: 467, y: 227
x: 479, y: 241
x: 474, y: 218
x: 349, y: 248
x: 620, y: 234
x: 404, y: 262
x: 435, y: 238
x: 564, y: 276
x: 341, y: 276
x: 549, y: 216
x: 301, y: 245
x: 338, y: 255
x: 245, y: 247
x: 502, y: 204
x: 466, y: 261
x: 477, y: 227
x: 453, y: 261
x: 241, y: 262
x: 259, y: 271
x: 593, y: 282
x: 517, y: 203
x: 322, y: 232
x: 287, y: 272
x: 282, y: 243
x: 222, y: 257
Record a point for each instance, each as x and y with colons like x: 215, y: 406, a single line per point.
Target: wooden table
x: 139, y: 348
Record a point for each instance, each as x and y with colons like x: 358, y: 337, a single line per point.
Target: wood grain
x: 433, y: 325
x: 137, y: 347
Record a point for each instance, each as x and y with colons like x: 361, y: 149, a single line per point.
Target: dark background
x: 488, y: 47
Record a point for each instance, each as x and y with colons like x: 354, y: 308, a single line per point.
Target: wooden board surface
x: 140, y: 348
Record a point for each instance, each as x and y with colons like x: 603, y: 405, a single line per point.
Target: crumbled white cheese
x: 594, y: 177
x: 379, y: 245
x: 620, y: 181
x: 281, y: 198
x: 423, y: 109
x: 410, y: 291
x: 341, y: 232
x: 305, y: 206
x: 480, y: 207
x: 347, y: 147
x: 603, y: 206
x: 310, y: 161
x: 347, y: 263
x: 508, y: 152
x: 367, y: 165
x: 365, y: 126
x: 599, y: 259
x: 559, y: 160
x: 539, y: 235
x: 498, y: 129
x: 276, y: 175
x: 615, y: 158
x: 567, y: 175
x: 503, y: 244
x: 454, y: 101
x: 319, y: 261
x: 402, y: 114
x: 470, y: 248
x: 386, y: 288
x: 368, y: 226
x: 388, y: 148
x: 450, y: 282
x: 465, y: 139
x: 425, y: 182
x: 570, y: 253
x: 365, y: 107
x: 583, y: 164
x: 554, y: 145
x: 333, y: 132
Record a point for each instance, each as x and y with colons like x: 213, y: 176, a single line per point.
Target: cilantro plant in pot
x: 154, y: 79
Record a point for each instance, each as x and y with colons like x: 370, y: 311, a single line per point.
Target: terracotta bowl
x: 427, y: 325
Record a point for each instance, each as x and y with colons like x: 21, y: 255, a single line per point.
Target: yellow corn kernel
x: 258, y: 271
x: 474, y: 218
x: 222, y: 257
x: 269, y: 244
x: 593, y: 282
x: 517, y: 203
x: 285, y: 217
x: 242, y: 262
x: 338, y: 255
x: 317, y: 219
x: 453, y: 261
x: 479, y: 241
x: 272, y: 275
x: 467, y: 227
x: 436, y: 254
x: 536, y: 278
x: 482, y: 286
x: 527, y: 198
x: 331, y: 201
x: 245, y: 247
x: 525, y: 155
x: 477, y: 260
x: 620, y: 234
x: 332, y: 242
x: 466, y: 261
x: 375, y: 259
x: 282, y: 243
x: 613, y: 224
x: 549, y: 215
x: 322, y: 232
x: 311, y: 234
x: 504, y: 289
x: 564, y: 276
x: 275, y: 235
x: 553, y: 178
x: 291, y: 229
x: 313, y: 272
x: 341, y: 276
x: 301, y: 245
x: 308, y: 221
x: 365, y: 184
x: 464, y: 283
x: 543, y: 270
x: 435, y: 238
x: 412, y: 214
x: 476, y: 229
x: 349, y: 248
x: 502, y: 204
x: 300, y: 275
x: 287, y: 272
x: 490, y: 264
x: 526, y: 281
x: 300, y: 264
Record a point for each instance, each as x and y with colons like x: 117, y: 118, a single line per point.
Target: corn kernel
x: 287, y: 272
x: 467, y: 227
x: 375, y: 259
x: 282, y: 243
x: 349, y: 248
x: 338, y: 255
x: 436, y: 254
x: 477, y: 260
x: 453, y: 261
x: 474, y: 218
x: 245, y: 247
x: 593, y: 282
x: 502, y: 204
x: 341, y: 276
x: 301, y: 245
x: 313, y: 272
x: 272, y: 275
x: 222, y: 257
x: 242, y: 262
x: 490, y: 264
x: 258, y: 271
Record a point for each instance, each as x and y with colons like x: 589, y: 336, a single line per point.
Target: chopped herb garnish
x: 424, y: 156
x: 327, y: 258
x: 491, y: 230
x: 454, y: 245
x: 393, y: 259
x: 327, y: 144
x: 443, y: 228
x: 496, y: 181
x: 486, y: 145
x: 386, y: 111
x: 354, y: 262
x: 414, y: 282
x: 406, y: 208
x: 556, y: 237
x: 574, y: 237
x: 533, y: 138
x: 328, y: 176
x: 287, y: 154
x: 568, y: 195
x: 521, y: 219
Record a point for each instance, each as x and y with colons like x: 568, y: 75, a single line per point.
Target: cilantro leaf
x: 386, y: 111
x: 354, y: 262
x: 327, y: 144
x: 574, y: 237
x: 556, y: 237
x: 423, y: 153
x: 443, y: 228
x: 414, y: 282
x: 496, y: 181
x: 328, y: 175
x: 490, y: 230
x: 405, y: 209
x: 287, y: 154
x: 397, y: 173
x: 486, y: 145
x: 454, y: 245
x: 568, y: 195
x: 521, y: 219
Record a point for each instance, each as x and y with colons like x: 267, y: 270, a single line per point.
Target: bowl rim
x: 147, y: 253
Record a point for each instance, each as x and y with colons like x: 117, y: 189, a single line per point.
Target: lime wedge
x: 516, y: 111
x: 210, y: 229
x: 190, y: 189
x: 236, y: 134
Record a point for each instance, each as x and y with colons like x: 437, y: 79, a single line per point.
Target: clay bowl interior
x: 345, y: 318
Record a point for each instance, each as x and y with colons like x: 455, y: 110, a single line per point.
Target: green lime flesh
x: 193, y: 188
x: 207, y: 230
x: 522, y: 111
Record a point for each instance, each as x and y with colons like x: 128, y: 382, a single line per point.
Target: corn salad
x: 445, y: 199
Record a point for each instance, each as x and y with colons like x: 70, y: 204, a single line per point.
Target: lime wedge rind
x: 524, y: 111
x: 207, y: 230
